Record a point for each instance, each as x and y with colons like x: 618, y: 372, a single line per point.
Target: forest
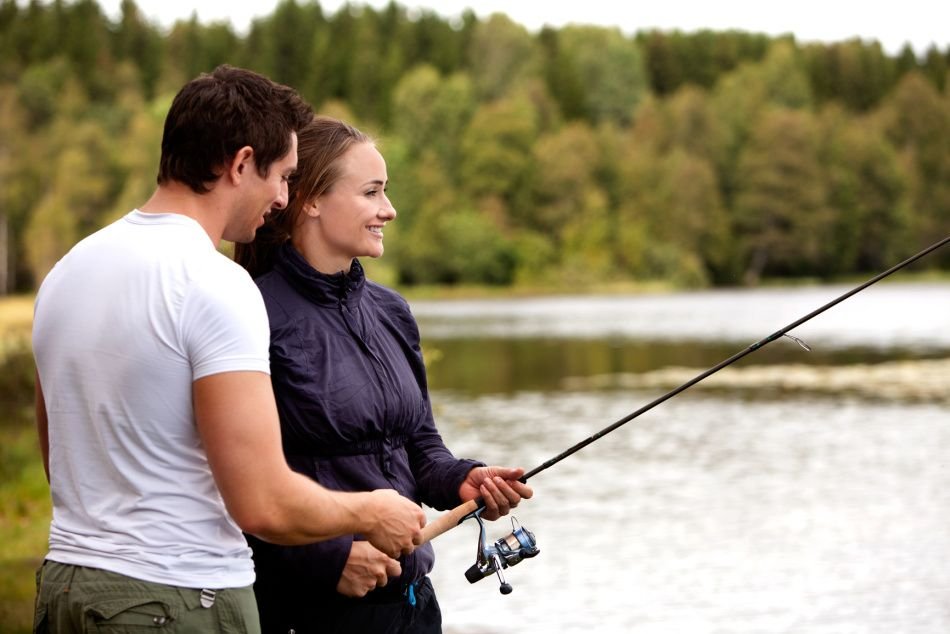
x: 563, y: 158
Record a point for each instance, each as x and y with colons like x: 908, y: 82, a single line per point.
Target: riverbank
x: 592, y: 287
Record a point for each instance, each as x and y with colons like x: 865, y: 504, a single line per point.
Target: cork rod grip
x: 448, y: 520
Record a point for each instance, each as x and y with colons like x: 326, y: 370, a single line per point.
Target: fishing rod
x: 520, y: 543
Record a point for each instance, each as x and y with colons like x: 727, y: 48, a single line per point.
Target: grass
x: 24, y: 521
x: 16, y: 317
x: 24, y: 494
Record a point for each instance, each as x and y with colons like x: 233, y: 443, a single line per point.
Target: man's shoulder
x: 215, y: 274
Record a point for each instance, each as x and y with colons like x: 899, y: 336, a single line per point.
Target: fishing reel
x: 509, y: 550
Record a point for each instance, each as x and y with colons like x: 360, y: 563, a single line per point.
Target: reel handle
x: 449, y: 520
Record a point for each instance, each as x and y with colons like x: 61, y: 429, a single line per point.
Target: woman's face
x: 350, y: 217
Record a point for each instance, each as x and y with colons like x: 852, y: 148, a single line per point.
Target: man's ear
x: 242, y: 162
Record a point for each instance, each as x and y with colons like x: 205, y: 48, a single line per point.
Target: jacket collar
x: 320, y: 288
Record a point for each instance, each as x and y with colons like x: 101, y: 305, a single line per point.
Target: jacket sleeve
x: 438, y: 473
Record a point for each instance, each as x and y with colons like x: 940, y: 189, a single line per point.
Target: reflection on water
x: 736, y: 510
x: 480, y: 346
x: 493, y: 365
x: 710, y: 515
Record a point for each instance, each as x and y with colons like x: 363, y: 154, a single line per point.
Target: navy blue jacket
x: 347, y: 371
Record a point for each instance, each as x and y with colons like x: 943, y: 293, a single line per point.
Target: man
x: 154, y: 405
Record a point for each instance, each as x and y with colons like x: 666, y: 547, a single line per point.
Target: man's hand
x: 366, y: 569
x: 396, y: 522
x: 498, y: 487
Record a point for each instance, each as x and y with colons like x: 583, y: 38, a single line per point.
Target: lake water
x: 757, y: 506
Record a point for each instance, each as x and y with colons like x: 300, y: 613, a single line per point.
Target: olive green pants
x: 79, y: 600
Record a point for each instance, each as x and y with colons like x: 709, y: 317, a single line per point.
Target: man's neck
x: 178, y: 198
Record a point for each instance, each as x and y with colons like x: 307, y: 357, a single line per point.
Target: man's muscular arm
x: 238, y: 423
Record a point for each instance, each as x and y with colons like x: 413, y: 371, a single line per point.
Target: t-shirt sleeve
x: 224, y: 325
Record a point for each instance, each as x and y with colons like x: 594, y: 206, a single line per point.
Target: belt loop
x: 207, y: 597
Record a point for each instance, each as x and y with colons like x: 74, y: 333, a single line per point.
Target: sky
x: 893, y: 23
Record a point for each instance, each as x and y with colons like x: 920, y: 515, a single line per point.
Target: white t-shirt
x: 123, y: 325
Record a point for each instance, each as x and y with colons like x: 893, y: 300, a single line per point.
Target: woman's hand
x: 366, y: 569
x: 498, y: 487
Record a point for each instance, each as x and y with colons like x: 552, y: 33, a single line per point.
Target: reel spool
x: 519, y: 544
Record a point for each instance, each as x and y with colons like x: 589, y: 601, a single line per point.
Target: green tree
x: 287, y: 36
x: 474, y: 251
x: 31, y: 33
x: 692, y: 123
x: 321, y: 82
x: 78, y: 155
x: 675, y: 59
x: 429, y: 39
x: 739, y: 101
x: 186, y: 57
x: 672, y: 223
x: 84, y: 39
x: 662, y: 64
x: 430, y: 112
x: 782, y: 73
x: 497, y: 146
x: 781, y: 217
x: 867, y: 189
x: 673, y: 143
x: 39, y: 89
x: 564, y: 177
x: 136, y: 41
x: 689, y: 218
x: 441, y: 240
x: 367, y: 68
x: 501, y: 55
x: 136, y: 156
x: 610, y: 70
x: 64, y: 214
x: 853, y: 73
x: 935, y: 66
x: 537, y: 258
x: 562, y: 76
x: 16, y: 193
x: 916, y: 118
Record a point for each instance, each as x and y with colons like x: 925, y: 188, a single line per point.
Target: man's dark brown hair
x: 218, y: 113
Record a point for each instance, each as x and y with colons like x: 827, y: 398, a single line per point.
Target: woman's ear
x: 312, y: 209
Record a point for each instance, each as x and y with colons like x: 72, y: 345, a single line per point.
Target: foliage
x: 24, y: 495
x: 515, y: 158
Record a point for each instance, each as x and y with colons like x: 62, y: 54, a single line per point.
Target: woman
x: 351, y: 390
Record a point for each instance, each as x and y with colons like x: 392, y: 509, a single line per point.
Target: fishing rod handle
x: 449, y: 520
